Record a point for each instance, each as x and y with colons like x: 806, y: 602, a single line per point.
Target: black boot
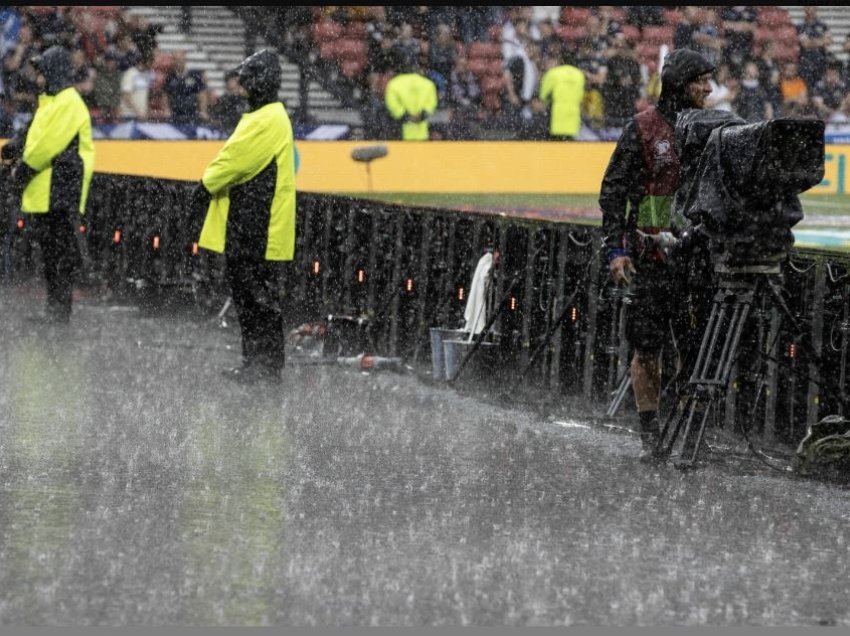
x: 649, y: 437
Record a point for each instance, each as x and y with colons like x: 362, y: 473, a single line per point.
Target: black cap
x: 682, y: 66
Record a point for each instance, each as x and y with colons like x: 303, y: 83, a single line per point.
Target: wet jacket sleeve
x: 51, y: 131
x: 622, y: 183
x: 243, y: 156
x: 392, y: 98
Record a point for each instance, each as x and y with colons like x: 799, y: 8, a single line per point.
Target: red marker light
x: 20, y: 224
x: 361, y: 276
x: 156, y: 242
x: 194, y: 249
x: 408, y: 285
x: 792, y: 350
x: 513, y: 303
x: 573, y: 314
x: 317, y: 266
x: 116, y: 237
x: 460, y: 293
x: 82, y: 229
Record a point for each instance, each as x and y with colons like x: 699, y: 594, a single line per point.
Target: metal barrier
x: 408, y: 269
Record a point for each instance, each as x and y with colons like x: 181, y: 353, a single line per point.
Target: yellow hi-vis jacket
x: 411, y: 94
x: 562, y: 87
x: 60, y: 150
x: 252, y: 183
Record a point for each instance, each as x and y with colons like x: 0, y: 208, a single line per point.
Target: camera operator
x: 635, y: 197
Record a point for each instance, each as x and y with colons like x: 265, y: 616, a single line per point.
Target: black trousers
x: 55, y: 232
x: 255, y: 290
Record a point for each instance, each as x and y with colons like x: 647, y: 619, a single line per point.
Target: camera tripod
x: 738, y: 290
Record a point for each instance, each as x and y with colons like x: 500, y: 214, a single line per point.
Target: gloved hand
x: 199, y: 202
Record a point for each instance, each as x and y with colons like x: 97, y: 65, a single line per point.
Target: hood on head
x: 681, y: 67
x: 55, y: 65
x: 260, y: 76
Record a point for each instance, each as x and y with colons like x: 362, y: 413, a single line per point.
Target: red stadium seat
x: 327, y: 50
x: 657, y: 34
x: 494, y: 68
x: 348, y: 49
x: 673, y: 16
x: 355, y: 30
x: 786, y: 34
x: 772, y: 17
x: 495, y: 33
x: 326, y: 31
x: 352, y: 68
x: 162, y: 62
x: 632, y: 33
x: 478, y: 66
x: 575, y: 16
x: 571, y: 34
x: 491, y: 85
x: 786, y: 53
x: 487, y: 50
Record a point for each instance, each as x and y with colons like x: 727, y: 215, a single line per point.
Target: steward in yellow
x: 248, y: 191
x: 411, y: 99
x: 562, y: 89
x: 54, y: 166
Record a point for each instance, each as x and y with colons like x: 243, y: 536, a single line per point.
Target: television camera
x: 738, y: 198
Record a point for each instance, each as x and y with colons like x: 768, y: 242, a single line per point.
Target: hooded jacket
x: 58, y: 153
x: 626, y: 195
x: 251, y: 181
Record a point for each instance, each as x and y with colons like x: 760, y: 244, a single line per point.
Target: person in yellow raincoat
x: 411, y: 99
x: 248, y: 194
x: 53, y: 165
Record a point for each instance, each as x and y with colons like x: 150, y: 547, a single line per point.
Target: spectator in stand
x: 550, y: 43
x: 297, y: 22
x: 770, y: 73
x: 126, y: 53
x: 474, y: 22
x: 846, y: 70
x: 91, y: 39
x: 739, y: 28
x: 411, y: 98
x: 407, y: 47
x: 513, y: 15
x: 795, y: 93
x: 708, y: 39
x: 521, y: 76
x: 645, y: 15
x: 592, y: 64
x: 464, y: 99
x: 10, y: 24
x: 187, y: 98
x: 562, y: 90
x: 724, y: 89
x: 82, y: 75
x: 815, y: 40
x: 144, y: 35
x: 752, y: 102
x: 380, y: 38
x: 622, y: 86
x: 609, y: 21
x: 830, y: 98
x: 136, y: 84
x: 441, y: 53
x: 19, y: 77
x: 106, y: 92
x: 228, y: 109
x: 683, y: 35
x: 53, y: 27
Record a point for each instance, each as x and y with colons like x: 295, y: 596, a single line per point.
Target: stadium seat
x: 772, y: 17
x: 786, y: 34
x: 355, y: 30
x: 327, y: 50
x: 486, y: 50
x: 494, y: 68
x: 162, y: 62
x: 673, y: 16
x: 326, y: 31
x: 348, y: 49
x: 657, y: 35
x: 575, y: 16
x: 495, y: 33
x: 478, y: 66
x: 570, y: 34
x: 352, y: 68
x: 631, y: 33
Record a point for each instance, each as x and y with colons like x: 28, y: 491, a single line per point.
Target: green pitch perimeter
x: 826, y: 224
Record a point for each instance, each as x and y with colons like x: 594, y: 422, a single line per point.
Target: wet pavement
x: 139, y: 487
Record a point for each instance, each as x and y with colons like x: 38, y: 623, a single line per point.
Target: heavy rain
x: 424, y: 316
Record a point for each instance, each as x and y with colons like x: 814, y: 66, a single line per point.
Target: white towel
x: 476, y: 304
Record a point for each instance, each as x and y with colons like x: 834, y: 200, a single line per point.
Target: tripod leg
x: 620, y: 395
x: 692, y: 439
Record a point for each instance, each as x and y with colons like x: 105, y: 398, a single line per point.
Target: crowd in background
x: 122, y: 76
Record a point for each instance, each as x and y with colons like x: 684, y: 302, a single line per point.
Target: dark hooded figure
x: 635, y: 198
x: 247, y: 200
x: 54, y: 166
